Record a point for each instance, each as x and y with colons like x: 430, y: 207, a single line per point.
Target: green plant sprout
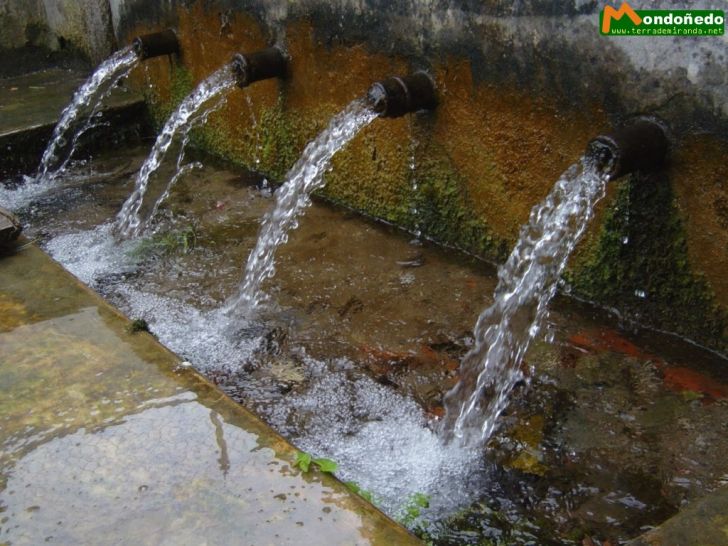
x: 166, y: 244
x: 412, y: 509
x: 363, y: 493
x: 305, y: 460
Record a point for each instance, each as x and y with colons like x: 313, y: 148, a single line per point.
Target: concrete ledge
x: 702, y: 523
x: 30, y: 107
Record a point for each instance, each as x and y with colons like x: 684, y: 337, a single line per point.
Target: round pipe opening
x: 397, y: 96
x: 156, y: 44
x: 267, y: 63
x: 641, y: 144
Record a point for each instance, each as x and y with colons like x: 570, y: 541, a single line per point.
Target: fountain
x: 89, y: 97
x: 242, y: 71
x: 529, y: 278
x: 392, y: 97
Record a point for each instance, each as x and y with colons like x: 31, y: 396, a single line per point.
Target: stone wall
x: 523, y: 86
x: 53, y: 25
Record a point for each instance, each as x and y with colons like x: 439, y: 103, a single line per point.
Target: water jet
x: 156, y: 44
x: 208, y: 96
x: 397, y: 96
x: 641, y: 144
x: 260, y: 65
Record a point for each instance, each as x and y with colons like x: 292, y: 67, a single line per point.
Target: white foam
x: 21, y: 196
x: 198, y: 336
x: 93, y: 254
x: 380, y: 439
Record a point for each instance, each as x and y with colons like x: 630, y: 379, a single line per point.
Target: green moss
x: 182, y: 84
x: 642, y: 249
x: 277, y: 141
x: 653, y: 262
x: 445, y: 212
x: 271, y: 146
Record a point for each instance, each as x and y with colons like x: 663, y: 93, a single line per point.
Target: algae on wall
x: 490, y: 152
x: 639, y: 264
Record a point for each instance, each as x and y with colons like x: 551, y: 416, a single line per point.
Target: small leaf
x: 353, y: 487
x: 689, y: 396
x: 326, y: 465
x: 421, y: 500
x: 303, y: 461
x: 363, y: 493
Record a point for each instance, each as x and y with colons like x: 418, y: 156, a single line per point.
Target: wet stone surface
x: 107, y: 437
x: 37, y: 99
x: 361, y: 336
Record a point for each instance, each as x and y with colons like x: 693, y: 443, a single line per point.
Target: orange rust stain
x: 381, y: 360
x: 324, y: 78
x: 509, y: 145
x: 609, y: 340
x: 436, y: 412
x: 682, y: 379
x: 700, y: 178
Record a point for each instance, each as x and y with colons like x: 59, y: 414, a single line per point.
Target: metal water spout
x: 156, y: 44
x: 641, y: 144
x: 397, y: 96
x: 259, y: 65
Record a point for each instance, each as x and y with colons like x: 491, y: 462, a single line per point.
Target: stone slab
x: 107, y: 436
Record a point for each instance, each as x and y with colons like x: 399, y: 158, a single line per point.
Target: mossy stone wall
x: 520, y: 96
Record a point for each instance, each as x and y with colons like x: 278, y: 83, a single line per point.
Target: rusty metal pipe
x: 156, y: 44
x: 641, y: 144
x: 259, y: 65
x: 397, y: 96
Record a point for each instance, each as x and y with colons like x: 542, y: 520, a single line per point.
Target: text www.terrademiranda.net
x: 674, y: 31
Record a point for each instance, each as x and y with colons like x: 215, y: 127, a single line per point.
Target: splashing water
x: 294, y: 196
x: 377, y: 435
x: 526, y: 284
x: 192, y: 109
x: 89, y: 95
x: 182, y: 168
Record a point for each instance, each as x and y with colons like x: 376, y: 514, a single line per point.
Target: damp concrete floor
x: 108, y: 437
x: 35, y: 100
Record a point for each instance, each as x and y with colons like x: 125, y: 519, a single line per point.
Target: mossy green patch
x: 271, y: 145
x: 445, y: 212
x: 640, y: 264
x: 182, y: 84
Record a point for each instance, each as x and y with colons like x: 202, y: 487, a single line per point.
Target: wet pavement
x: 30, y: 107
x: 107, y: 436
x: 35, y: 100
x: 618, y: 430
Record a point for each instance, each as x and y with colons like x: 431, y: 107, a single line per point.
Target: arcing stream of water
x: 526, y: 284
x: 294, y: 195
x: 86, y: 100
x: 195, y: 107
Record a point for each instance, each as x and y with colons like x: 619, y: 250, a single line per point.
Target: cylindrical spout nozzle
x: 260, y: 65
x: 156, y: 44
x: 642, y: 144
x: 395, y: 97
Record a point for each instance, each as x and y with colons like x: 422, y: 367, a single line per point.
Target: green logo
x: 626, y: 21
